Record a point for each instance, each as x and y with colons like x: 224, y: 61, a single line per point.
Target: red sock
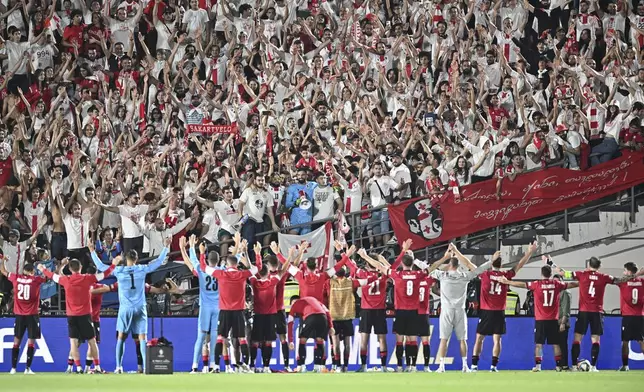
x: 77, y: 362
x: 97, y: 362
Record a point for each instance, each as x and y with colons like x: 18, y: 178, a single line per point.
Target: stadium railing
x: 478, y: 243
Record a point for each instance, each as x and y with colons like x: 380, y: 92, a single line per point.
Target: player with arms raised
x: 78, y: 301
x: 406, y: 304
x: 208, y: 304
x: 592, y: 285
x: 26, y: 304
x: 133, y: 313
x: 492, y: 311
x: 232, y: 286
x: 546, y: 312
x: 631, y: 301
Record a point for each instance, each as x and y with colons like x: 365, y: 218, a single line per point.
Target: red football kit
x: 374, y: 294
x: 265, y: 300
x: 305, y: 307
x: 78, y: 297
x: 26, y: 298
x: 631, y: 297
x: 279, y: 289
x: 546, y: 298
x: 406, y: 288
x: 493, y: 293
x: 425, y: 294
x: 312, y: 283
x: 592, y: 285
x: 97, y: 301
x: 232, y: 282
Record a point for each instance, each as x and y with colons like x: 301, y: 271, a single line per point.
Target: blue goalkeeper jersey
x: 208, y: 285
x: 131, y: 280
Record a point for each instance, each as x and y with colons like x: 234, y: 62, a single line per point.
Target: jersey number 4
x: 211, y: 284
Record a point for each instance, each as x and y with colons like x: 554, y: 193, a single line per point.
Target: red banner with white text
x: 209, y: 129
x: 529, y: 196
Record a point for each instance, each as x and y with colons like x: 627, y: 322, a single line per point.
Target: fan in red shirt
x: 264, y: 286
x: 496, y: 112
x: 307, y: 161
x: 26, y: 304
x: 232, y: 301
x: 79, y: 307
x: 592, y: 285
x: 316, y: 324
x: 492, y: 309
x: 631, y: 303
x: 73, y: 34
x: 546, y: 312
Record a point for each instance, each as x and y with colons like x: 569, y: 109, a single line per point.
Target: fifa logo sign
x: 6, y: 344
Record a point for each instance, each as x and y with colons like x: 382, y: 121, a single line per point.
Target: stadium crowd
x: 125, y: 123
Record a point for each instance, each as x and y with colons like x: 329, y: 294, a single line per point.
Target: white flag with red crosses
x: 320, y: 245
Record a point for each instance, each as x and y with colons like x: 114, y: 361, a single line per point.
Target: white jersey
x: 323, y: 200
x: 352, y: 196
x: 228, y: 214
x: 255, y: 202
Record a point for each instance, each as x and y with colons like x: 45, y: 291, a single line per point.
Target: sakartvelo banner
x: 530, y: 195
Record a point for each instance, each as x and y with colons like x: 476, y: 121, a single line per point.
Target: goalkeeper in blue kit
x: 133, y: 315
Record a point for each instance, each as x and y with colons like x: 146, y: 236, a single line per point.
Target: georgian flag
x: 320, y: 245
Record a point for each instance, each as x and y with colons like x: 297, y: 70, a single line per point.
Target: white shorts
x: 453, y: 320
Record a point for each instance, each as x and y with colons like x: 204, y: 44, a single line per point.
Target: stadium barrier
x: 518, y: 348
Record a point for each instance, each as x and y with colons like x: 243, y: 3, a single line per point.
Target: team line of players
x: 222, y: 305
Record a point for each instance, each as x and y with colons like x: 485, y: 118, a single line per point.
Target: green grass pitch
x: 547, y: 381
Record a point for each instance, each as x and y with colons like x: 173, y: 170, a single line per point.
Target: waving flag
x: 320, y: 245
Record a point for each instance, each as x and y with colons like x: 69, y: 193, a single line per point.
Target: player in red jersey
x: 316, y: 323
x: 79, y: 307
x: 492, y: 309
x: 424, y: 295
x: 406, y: 303
x: 631, y: 303
x: 592, y: 285
x: 373, y: 315
x: 546, y: 312
x: 311, y: 280
x: 264, y: 287
x: 232, y: 301
x: 26, y: 305
x: 280, y: 316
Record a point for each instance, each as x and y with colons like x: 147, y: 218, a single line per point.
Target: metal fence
x: 477, y: 244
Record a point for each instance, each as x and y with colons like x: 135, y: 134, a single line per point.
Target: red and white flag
x: 320, y: 245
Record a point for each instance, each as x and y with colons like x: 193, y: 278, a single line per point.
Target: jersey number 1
x: 132, y: 281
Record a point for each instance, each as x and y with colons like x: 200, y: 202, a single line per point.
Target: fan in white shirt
x: 219, y: 222
x: 14, y: 251
x: 401, y: 175
x: 131, y: 213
